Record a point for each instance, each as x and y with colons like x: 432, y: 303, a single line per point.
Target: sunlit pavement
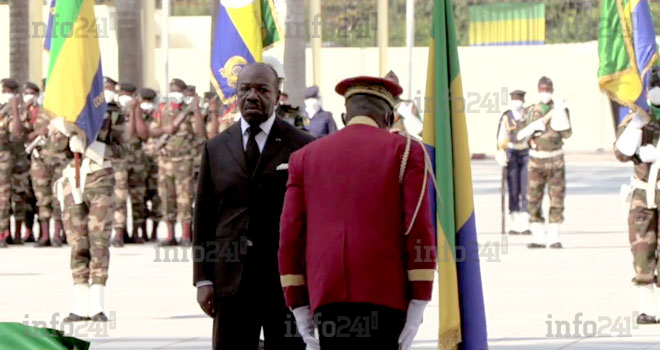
x: 584, y: 288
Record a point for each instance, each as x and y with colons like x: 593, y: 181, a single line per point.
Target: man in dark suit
x: 239, y: 201
x: 320, y: 121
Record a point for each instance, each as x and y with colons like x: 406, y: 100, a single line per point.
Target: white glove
x: 648, y: 154
x: 76, y: 144
x: 529, y: 130
x: 501, y: 158
x: 559, y: 105
x: 637, y: 121
x: 413, y: 321
x: 305, y: 322
x: 559, y: 120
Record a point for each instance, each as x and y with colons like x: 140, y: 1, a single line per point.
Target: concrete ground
x: 528, y: 293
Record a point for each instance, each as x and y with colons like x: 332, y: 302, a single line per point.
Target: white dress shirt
x: 260, y: 137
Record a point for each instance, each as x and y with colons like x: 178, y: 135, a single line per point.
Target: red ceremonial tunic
x: 342, y: 232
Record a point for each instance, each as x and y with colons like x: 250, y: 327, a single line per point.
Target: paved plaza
x: 529, y: 294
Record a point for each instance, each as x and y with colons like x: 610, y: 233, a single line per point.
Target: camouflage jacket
x: 57, y: 144
x: 182, y: 142
x: 549, y: 140
x: 16, y: 142
x: 650, y: 136
x: 149, y: 146
x: 113, y: 131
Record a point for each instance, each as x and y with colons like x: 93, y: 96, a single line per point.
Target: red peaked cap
x: 379, y: 87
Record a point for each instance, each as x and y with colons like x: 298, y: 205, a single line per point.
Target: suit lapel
x: 273, y: 145
x: 235, y: 146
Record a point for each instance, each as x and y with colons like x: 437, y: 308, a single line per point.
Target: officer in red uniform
x: 356, y: 240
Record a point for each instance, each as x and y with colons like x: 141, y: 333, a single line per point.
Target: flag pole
x: 410, y: 41
x: 76, y: 162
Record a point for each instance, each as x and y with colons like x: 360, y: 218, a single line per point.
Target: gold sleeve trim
x: 292, y: 280
x: 426, y: 275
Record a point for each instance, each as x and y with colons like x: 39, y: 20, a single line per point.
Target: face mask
x: 312, y: 103
x: 147, y: 106
x: 124, y: 99
x: 516, y: 105
x: 27, y: 98
x: 176, y: 97
x: 109, y: 95
x: 545, y: 97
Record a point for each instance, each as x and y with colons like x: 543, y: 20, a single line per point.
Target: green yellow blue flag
x: 507, y: 24
x: 462, y: 314
x: 75, y: 78
x: 627, y: 51
x: 243, y: 30
x: 49, y: 29
x: 14, y: 335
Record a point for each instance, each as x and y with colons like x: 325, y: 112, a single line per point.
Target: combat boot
x: 3, y: 239
x: 186, y: 241
x: 44, y: 234
x: 553, y: 236
x: 136, y: 236
x: 538, y: 235
x: 143, y: 231
x: 59, y: 231
x: 80, y: 304
x: 515, y: 223
x: 171, y: 240
x: 118, y: 241
x: 18, y: 240
x: 57, y: 241
x: 647, y: 304
x: 154, y: 231
x: 97, y: 303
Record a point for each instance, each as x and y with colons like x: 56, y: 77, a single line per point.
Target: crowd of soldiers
x: 530, y: 141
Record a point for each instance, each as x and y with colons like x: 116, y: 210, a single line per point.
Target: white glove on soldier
x: 305, y: 322
x: 637, y: 121
x: 76, y: 144
x: 529, y: 130
x: 413, y: 321
x: 501, y: 158
x: 648, y: 154
x: 559, y: 120
x: 631, y: 136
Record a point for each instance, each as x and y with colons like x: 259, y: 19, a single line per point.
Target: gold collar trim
x: 364, y: 120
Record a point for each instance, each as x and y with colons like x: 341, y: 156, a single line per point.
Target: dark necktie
x: 252, y: 153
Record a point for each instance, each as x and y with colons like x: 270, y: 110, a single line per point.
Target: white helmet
x: 276, y: 64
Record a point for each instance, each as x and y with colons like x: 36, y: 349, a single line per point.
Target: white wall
x: 485, y: 70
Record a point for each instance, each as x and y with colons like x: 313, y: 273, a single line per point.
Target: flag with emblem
x: 243, y: 30
x: 627, y: 51
x: 75, y: 78
x: 462, y: 318
x: 14, y: 335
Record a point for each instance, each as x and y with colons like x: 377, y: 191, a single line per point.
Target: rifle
x: 163, y: 139
x: 37, y: 142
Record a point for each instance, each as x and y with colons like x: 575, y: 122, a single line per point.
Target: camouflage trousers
x: 137, y: 188
x: 550, y: 172
x: 120, y: 167
x: 23, y: 200
x: 5, y: 189
x: 175, y: 188
x: 44, y: 171
x: 151, y: 194
x: 89, y: 226
x: 643, y: 236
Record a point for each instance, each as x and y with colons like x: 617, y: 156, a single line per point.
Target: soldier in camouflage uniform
x: 11, y: 128
x: 147, y: 107
x: 177, y: 136
x: 545, y: 128
x: 88, y: 221
x: 49, y: 156
x: 118, y: 155
x: 211, y: 127
x: 22, y: 196
x: 637, y: 142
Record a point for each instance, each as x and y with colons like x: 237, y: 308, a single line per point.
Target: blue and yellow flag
x: 627, y: 52
x: 15, y: 335
x: 49, y: 29
x: 75, y: 79
x: 243, y: 30
x: 462, y: 314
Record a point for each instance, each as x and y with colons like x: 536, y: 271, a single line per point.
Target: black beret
x: 545, y: 80
x: 178, y: 82
x: 127, y: 87
x: 10, y: 84
x: 209, y: 95
x: 109, y: 80
x: 190, y: 88
x: 147, y: 93
x: 312, y: 91
x: 32, y: 86
x: 517, y: 93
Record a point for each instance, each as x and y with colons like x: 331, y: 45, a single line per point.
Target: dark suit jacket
x: 322, y: 124
x: 233, y: 206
